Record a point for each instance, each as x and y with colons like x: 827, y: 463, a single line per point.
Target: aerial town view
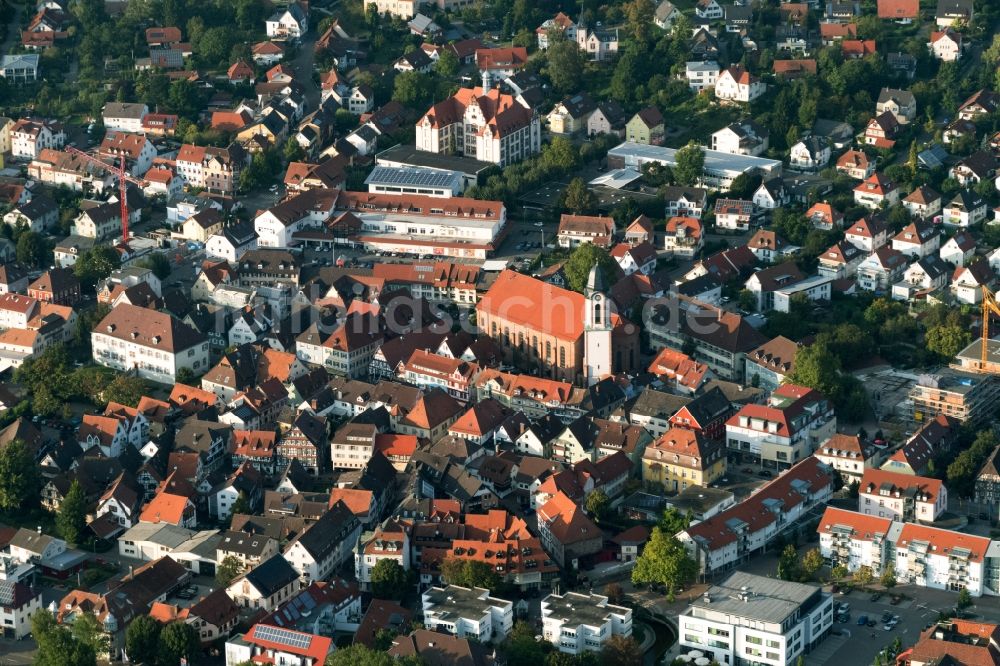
x: 500, y: 332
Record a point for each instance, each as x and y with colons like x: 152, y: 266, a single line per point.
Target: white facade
x: 28, y: 139
x: 701, y: 75
x: 467, y: 613
x: 737, y: 85
x: 150, y: 363
x: 576, y: 623
x: 768, y: 628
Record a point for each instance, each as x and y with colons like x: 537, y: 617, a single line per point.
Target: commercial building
x: 720, y: 169
x: 411, y: 180
x: 750, y: 619
x: 726, y: 539
x: 576, y: 623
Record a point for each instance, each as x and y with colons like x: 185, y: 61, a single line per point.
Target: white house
x: 918, y: 239
x: 709, y: 9
x: 923, y: 202
x: 881, y: 269
x: 576, y: 623
x: 959, y: 249
x: 810, y: 154
x: 927, y: 274
x: 946, y: 45
x: 288, y: 24
x: 124, y: 116
x: 733, y: 214
x: 899, y: 496
x: 736, y: 84
x: 153, y: 343
x: 701, y: 74
x: 771, y: 194
x: 317, y: 552
x: 28, y: 137
x: 867, y: 234
x: 965, y: 209
x: 854, y: 540
x: 742, y: 138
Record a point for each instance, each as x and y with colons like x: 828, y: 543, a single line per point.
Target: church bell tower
x: 596, y: 329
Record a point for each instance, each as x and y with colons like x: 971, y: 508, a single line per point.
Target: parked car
x: 767, y: 474
x: 863, y: 620
x: 876, y: 596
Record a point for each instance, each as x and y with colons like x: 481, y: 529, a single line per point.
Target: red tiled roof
x: 863, y: 527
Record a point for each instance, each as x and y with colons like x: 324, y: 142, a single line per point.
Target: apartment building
x: 789, y: 428
x: 210, y: 168
x: 153, y: 343
x: 577, y: 623
x: 728, y: 538
x: 29, y: 137
x: 904, y: 497
x: 970, y: 398
x: 467, y: 613
x: 755, y: 619
x: 855, y: 540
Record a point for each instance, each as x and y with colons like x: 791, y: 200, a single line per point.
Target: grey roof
x: 272, y: 575
x: 124, y: 110
x: 698, y: 499
x: 768, y: 599
x: 412, y: 177
x: 904, y: 97
x: 19, y: 61
x: 578, y: 608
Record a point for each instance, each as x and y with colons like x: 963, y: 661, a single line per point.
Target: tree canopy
x: 664, y: 561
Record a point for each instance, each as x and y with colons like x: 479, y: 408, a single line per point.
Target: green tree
x: 95, y: 264
x: 447, y: 64
x: 71, y: 521
x: 178, y: 640
x: 864, y: 576
x: 597, y: 504
x: 125, y: 390
x: 32, y: 249
x: 521, y: 648
x: 788, y: 564
x: 888, y: 577
x: 664, y: 561
x: 690, y: 164
x: 90, y: 632
x: 817, y: 367
x: 411, y: 89
x: 581, y: 260
x: 293, y: 151
x: 812, y: 562
x: 673, y: 521
x: 947, y: 341
x: 388, y: 579
x: 228, y: 570
x: 241, y: 505
x: 621, y: 651
x: 141, y: 639
x: 56, y: 644
x: 560, y: 155
x: 564, y: 65
x: 839, y: 571
x: 469, y: 573
x: 578, y: 198
x: 156, y: 262
x: 964, y: 599
x: 362, y: 655
x: 19, y: 479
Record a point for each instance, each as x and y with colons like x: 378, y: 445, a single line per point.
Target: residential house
x: 738, y: 85
x: 742, y: 138
x: 923, y: 202
x: 646, y: 127
x: 918, y: 239
x: 856, y: 164
x: 876, y: 191
x: 881, y: 269
x: 965, y: 209
x: 946, y: 45
x: 900, y: 103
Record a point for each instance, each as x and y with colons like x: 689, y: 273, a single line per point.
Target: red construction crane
x: 123, y: 178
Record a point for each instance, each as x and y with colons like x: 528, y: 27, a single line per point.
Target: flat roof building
x: 467, y: 613
x: 576, y: 623
x: 415, y: 180
x: 756, y: 619
x: 719, y: 171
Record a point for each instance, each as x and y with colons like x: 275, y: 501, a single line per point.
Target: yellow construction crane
x: 990, y: 306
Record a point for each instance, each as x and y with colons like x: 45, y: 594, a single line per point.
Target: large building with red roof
x: 725, y: 540
x: 484, y: 124
x: 544, y: 324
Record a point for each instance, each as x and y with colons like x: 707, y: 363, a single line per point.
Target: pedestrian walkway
x: 824, y: 653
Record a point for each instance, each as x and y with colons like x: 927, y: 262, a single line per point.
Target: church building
x: 569, y: 336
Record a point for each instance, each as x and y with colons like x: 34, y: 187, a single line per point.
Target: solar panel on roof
x: 416, y: 177
x: 283, y: 636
